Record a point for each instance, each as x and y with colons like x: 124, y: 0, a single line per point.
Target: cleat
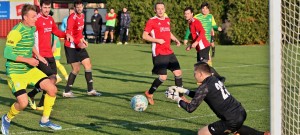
x: 185, y: 100
x: 94, y: 93
x: 149, y: 97
x: 31, y: 102
x: 40, y: 108
x: 51, y: 125
x: 5, y: 125
x: 68, y: 94
x: 119, y: 43
x: 126, y: 43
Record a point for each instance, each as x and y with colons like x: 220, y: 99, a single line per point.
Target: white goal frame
x: 275, y: 66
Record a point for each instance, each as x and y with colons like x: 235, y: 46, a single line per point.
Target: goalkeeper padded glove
x: 213, y: 50
x: 173, y: 95
x: 179, y: 89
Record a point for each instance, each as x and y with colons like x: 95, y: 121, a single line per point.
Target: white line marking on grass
x: 137, y: 123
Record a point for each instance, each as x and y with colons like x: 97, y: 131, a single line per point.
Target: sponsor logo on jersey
x: 164, y: 29
x: 47, y: 30
x: 10, y: 42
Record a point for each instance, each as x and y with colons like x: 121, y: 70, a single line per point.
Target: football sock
x: 34, y: 92
x: 41, y: 103
x: 89, y: 79
x: 155, y: 85
x: 48, y: 103
x: 61, y: 68
x: 178, y: 82
x: 70, y: 82
x: 245, y: 130
x: 12, y: 112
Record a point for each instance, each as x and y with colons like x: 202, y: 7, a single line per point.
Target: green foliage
x: 246, y: 21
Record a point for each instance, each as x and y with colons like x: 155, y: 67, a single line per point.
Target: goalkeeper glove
x: 213, y: 50
x: 173, y: 95
x: 179, y: 89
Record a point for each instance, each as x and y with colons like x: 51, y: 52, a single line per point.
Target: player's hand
x: 212, y: 44
x: 85, y: 42
x: 178, y: 89
x: 173, y: 95
x: 42, y: 59
x: 185, y: 42
x: 177, y: 43
x: 219, y: 29
x: 213, y: 50
x: 69, y: 38
x: 161, y: 41
x: 194, y: 44
x: 33, y: 62
x: 188, y: 48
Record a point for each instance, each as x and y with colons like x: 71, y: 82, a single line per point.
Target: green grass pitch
x: 120, y: 72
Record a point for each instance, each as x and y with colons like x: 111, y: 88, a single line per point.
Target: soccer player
x: 76, y: 53
x: 209, y: 25
x: 110, y: 25
x: 230, y: 111
x: 21, y: 70
x: 162, y: 55
x: 63, y: 26
x: 199, y: 40
x: 45, y: 26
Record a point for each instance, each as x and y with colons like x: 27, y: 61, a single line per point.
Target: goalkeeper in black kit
x: 230, y: 111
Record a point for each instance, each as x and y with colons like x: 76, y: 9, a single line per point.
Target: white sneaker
x: 69, y: 94
x: 94, y: 93
x: 126, y: 43
x: 119, y: 43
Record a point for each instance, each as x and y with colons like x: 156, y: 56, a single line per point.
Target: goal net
x: 288, y: 62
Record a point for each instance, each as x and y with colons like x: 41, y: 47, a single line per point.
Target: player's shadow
x: 133, y: 127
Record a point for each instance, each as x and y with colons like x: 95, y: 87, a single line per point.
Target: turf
x: 120, y: 72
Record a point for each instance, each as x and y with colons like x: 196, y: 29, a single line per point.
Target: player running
x: 21, y: 70
x: 76, y: 53
x: 230, y: 111
x: 162, y: 54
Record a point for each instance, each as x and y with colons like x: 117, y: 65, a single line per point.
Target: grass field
x: 120, y: 72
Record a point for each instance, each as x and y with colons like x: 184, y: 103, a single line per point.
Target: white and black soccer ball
x: 139, y: 103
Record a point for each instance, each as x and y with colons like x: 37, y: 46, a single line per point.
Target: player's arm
x: 63, y: 24
x: 12, y: 39
x: 70, y: 25
x: 147, y: 37
x: 107, y: 17
x: 198, y: 97
x: 214, y: 25
x: 175, y: 39
x: 187, y: 33
x: 201, y: 35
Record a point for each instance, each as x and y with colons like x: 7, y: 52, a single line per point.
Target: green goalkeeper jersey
x: 20, y: 42
x: 208, y: 23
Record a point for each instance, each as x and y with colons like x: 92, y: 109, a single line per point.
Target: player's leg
x: 112, y: 34
x: 122, y: 30
x: 62, y: 69
x: 71, y: 79
x: 106, y: 34
x: 126, y: 36
x: 86, y: 62
x: 160, y: 64
x: 245, y: 130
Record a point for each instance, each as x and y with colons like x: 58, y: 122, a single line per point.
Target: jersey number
x: 223, y: 90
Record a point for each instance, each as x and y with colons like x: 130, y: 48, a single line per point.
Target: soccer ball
x: 139, y: 103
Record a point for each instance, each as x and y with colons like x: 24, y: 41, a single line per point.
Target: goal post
x: 285, y: 66
x: 275, y: 65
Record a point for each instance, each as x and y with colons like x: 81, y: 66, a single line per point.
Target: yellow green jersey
x: 56, y: 53
x: 20, y: 42
x: 208, y: 23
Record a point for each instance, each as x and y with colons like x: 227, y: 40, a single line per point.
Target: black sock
x: 178, y: 83
x: 33, y: 92
x: 41, y: 103
x: 245, y: 130
x: 89, y: 79
x: 70, y: 82
x: 155, y: 85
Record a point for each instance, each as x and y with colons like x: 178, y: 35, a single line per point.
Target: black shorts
x: 203, y: 55
x: 74, y: 55
x: 223, y: 127
x: 49, y: 70
x: 110, y: 28
x: 163, y: 62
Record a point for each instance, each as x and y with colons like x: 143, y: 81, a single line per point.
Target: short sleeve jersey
x: 75, y: 28
x: 160, y: 29
x: 21, y: 39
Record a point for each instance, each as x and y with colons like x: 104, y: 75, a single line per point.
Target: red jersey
x: 160, y: 29
x: 45, y: 26
x: 198, y: 34
x: 75, y: 26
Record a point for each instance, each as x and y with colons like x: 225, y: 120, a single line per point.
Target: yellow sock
x: 61, y: 68
x: 48, y: 103
x: 209, y: 63
x: 12, y: 112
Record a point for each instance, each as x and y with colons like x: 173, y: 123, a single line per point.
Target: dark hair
x: 45, y: 2
x: 71, y: 8
x: 204, y: 4
x: 76, y: 2
x: 160, y: 2
x: 95, y: 9
x: 202, y: 67
x: 26, y: 8
x: 189, y: 8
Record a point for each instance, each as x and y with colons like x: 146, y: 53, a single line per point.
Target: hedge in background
x: 243, y: 21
